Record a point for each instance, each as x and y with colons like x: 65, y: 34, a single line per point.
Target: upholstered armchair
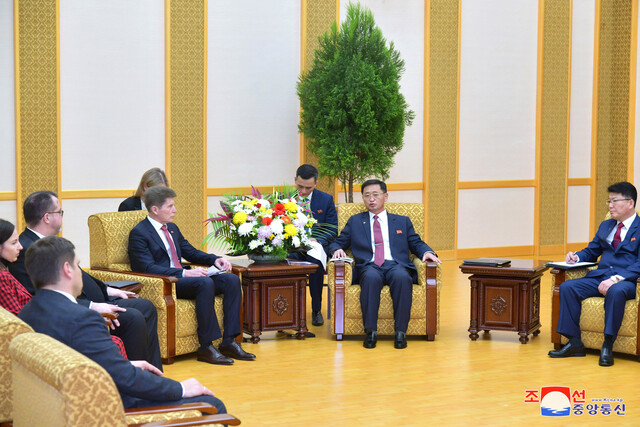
x: 54, y: 385
x: 345, y: 294
x: 177, y: 324
x: 592, y: 317
x: 10, y: 327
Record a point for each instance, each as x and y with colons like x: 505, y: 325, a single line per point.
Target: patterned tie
x: 172, y: 247
x: 616, y: 238
x: 378, y: 256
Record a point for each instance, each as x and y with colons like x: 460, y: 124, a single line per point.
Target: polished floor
x: 451, y: 381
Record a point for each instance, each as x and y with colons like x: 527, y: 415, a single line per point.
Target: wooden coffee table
x: 506, y: 298
x: 274, y: 297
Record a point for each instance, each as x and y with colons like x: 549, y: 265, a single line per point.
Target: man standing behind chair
x: 56, y: 273
x: 617, y: 243
x: 137, y: 324
x: 381, y: 242
x: 324, y: 211
x: 156, y: 246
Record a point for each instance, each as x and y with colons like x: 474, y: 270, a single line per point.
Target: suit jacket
x: 84, y: 330
x: 147, y: 252
x: 324, y: 211
x: 132, y: 203
x: 92, y: 288
x: 623, y: 260
x: 402, y: 240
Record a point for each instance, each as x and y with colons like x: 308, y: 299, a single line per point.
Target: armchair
x: 345, y: 294
x: 177, y: 324
x: 55, y: 385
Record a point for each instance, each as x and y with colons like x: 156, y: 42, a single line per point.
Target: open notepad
x: 565, y: 266
x: 213, y: 270
x: 345, y: 259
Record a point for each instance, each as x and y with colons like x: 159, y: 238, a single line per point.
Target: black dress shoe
x: 400, y: 340
x: 606, y: 356
x: 316, y: 318
x: 371, y: 340
x: 569, y: 350
x: 234, y: 350
x: 212, y: 355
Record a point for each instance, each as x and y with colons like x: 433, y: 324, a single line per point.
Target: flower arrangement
x: 274, y: 224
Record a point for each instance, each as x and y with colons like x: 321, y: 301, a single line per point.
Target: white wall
x: 252, y: 105
x: 7, y: 101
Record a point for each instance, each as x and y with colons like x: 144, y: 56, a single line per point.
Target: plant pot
x: 266, y: 258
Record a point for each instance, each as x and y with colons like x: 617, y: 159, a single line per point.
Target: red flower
x: 286, y: 219
x: 266, y: 220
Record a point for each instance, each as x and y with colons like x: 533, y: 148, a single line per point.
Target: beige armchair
x: 54, y: 385
x: 177, y: 324
x: 345, y: 294
x: 10, y: 327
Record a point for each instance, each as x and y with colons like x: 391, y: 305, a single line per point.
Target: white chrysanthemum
x: 237, y: 207
x: 302, y: 217
x: 264, y: 203
x: 296, y: 241
x: 277, y: 226
x: 245, y: 229
x: 255, y: 243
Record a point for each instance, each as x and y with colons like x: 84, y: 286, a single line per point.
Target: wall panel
x: 7, y: 100
x: 252, y: 106
x: 495, y: 217
x: 8, y: 211
x: 578, y: 214
x: 111, y: 92
x: 497, y: 89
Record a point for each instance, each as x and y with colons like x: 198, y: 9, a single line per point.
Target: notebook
x: 488, y: 262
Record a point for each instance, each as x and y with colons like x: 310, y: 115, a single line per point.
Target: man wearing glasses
x: 616, y: 243
x: 137, y: 321
x: 381, y: 242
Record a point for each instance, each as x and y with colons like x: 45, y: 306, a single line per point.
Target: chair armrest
x: 156, y: 288
x: 198, y: 406
x: 197, y: 421
x: 109, y: 318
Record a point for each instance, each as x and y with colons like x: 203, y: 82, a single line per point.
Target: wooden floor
x: 451, y: 381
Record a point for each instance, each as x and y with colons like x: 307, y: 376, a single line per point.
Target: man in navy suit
x: 156, y: 246
x: 55, y: 270
x: 381, y: 243
x: 137, y: 323
x: 617, y: 244
x: 324, y: 211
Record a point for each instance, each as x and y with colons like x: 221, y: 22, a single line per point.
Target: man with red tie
x: 381, y: 243
x: 617, y: 244
x: 156, y: 246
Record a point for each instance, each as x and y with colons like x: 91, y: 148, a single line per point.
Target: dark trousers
x: 572, y: 292
x: 400, y: 281
x: 203, y: 290
x: 214, y: 401
x: 138, y: 330
x: 316, y: 280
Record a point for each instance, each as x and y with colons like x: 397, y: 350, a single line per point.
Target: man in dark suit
x: 381, y: 242
x: 55, y: 270
x: 617, y: 243
x: 137, y: 321
x: 157, y: 246
x: 324, y: 211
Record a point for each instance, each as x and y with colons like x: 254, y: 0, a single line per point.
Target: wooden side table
x: 506, y: 298
x: 274, y: 297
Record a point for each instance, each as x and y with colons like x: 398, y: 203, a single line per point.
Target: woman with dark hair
x: 13, y: 296
x: 152, y: 177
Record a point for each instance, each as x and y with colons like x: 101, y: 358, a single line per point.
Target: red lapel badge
x: 633, y: 238
x: 399, y: 231
x: 319, y: 210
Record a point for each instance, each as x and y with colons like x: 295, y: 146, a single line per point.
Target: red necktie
x: 616, y: 238
x: 378, y: 256
x: 172, y: 247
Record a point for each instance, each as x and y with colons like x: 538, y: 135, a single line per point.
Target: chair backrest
x: 54, y: 385
x: 109, y: 238
x: 415, y: 212
x: 10, y: 327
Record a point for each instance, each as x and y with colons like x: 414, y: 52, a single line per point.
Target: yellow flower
x: 239, y: 218
x: 290, y: 230
x: 291, y: 207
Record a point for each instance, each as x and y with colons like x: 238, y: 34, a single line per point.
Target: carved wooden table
x: 274, y: 297
x: 506, y: 298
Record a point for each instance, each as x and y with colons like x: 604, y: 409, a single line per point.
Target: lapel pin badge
x: 399, y: 231
x: 319, y: 210
x: 633, y: 238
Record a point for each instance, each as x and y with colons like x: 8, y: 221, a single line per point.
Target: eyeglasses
x: 609, y: 201
x: 374, y: 195
x: 61, y: 212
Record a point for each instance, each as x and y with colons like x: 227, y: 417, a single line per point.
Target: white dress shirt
x: 384, y: 227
